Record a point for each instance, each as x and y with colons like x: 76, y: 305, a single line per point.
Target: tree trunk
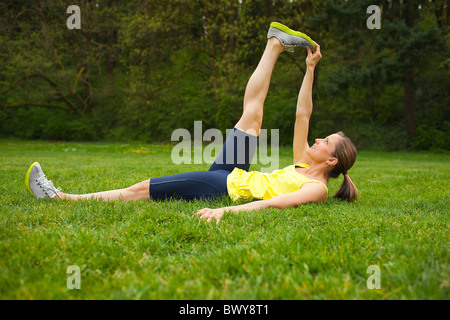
x: 410, y: 105
x: 409, y: 102
x: 111, y: 59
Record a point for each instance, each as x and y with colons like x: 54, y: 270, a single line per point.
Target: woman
x: 304, y: 181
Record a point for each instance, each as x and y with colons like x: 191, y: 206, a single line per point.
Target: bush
x: 430, y: 138
x: 40, y: 123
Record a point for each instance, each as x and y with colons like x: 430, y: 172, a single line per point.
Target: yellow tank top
x: 243, y: 184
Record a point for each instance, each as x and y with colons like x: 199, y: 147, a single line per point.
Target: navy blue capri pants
x: 237, y: 152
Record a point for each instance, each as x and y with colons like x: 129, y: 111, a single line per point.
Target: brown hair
x: 345, y: 152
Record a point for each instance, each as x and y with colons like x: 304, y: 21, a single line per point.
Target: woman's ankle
x: 61, y: 195
x: 275, y: 43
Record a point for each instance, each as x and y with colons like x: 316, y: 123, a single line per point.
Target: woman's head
x: 339, y: 153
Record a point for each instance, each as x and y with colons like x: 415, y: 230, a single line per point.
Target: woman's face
x: 322, y: 150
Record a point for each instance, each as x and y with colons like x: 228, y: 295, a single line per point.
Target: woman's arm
x: 305, y: 107
x: 309, y: 192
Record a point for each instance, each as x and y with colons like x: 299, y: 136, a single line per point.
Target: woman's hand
x: 217, y: 214
x: 313, y: 58
x: 209, y: 214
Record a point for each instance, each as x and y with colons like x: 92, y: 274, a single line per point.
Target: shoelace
x: 48, y: 187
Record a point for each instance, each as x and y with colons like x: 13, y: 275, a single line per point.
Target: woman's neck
x: 318, y: 171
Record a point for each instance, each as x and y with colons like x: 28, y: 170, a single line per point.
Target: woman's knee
x: 141, y: 188
x: 250, y: 121
x: 253, y: 113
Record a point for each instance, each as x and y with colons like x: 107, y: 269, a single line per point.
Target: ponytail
x: 346, y: 154
x: 348, y: 190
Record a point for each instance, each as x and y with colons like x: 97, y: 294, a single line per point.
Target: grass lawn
x: 160, y: 250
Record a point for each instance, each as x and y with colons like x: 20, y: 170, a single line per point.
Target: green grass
x: 160, y: 250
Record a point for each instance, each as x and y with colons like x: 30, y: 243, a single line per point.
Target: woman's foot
x: 38, y: 185
x: 289, y: 38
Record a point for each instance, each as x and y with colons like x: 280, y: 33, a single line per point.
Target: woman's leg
x: 39, y: 186
x: 187, y: 185
x: 240, y: 145
x: 257, y: 87
x: 139, y: 191
x: 190, y: 185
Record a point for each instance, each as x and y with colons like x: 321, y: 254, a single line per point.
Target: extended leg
x: 257, y: 87
x: 139, y: 191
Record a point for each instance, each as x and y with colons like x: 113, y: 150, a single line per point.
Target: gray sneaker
x: 289, y: 38
x: 38, y: 185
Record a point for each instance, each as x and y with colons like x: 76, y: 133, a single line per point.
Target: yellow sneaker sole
x: 288, y: 30
x: 27, y: 178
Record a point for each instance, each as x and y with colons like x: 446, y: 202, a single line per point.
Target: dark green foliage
x: 137, y: 70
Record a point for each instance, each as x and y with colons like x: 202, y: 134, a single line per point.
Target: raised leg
x: 257, y: 88
x: 139, y: 191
